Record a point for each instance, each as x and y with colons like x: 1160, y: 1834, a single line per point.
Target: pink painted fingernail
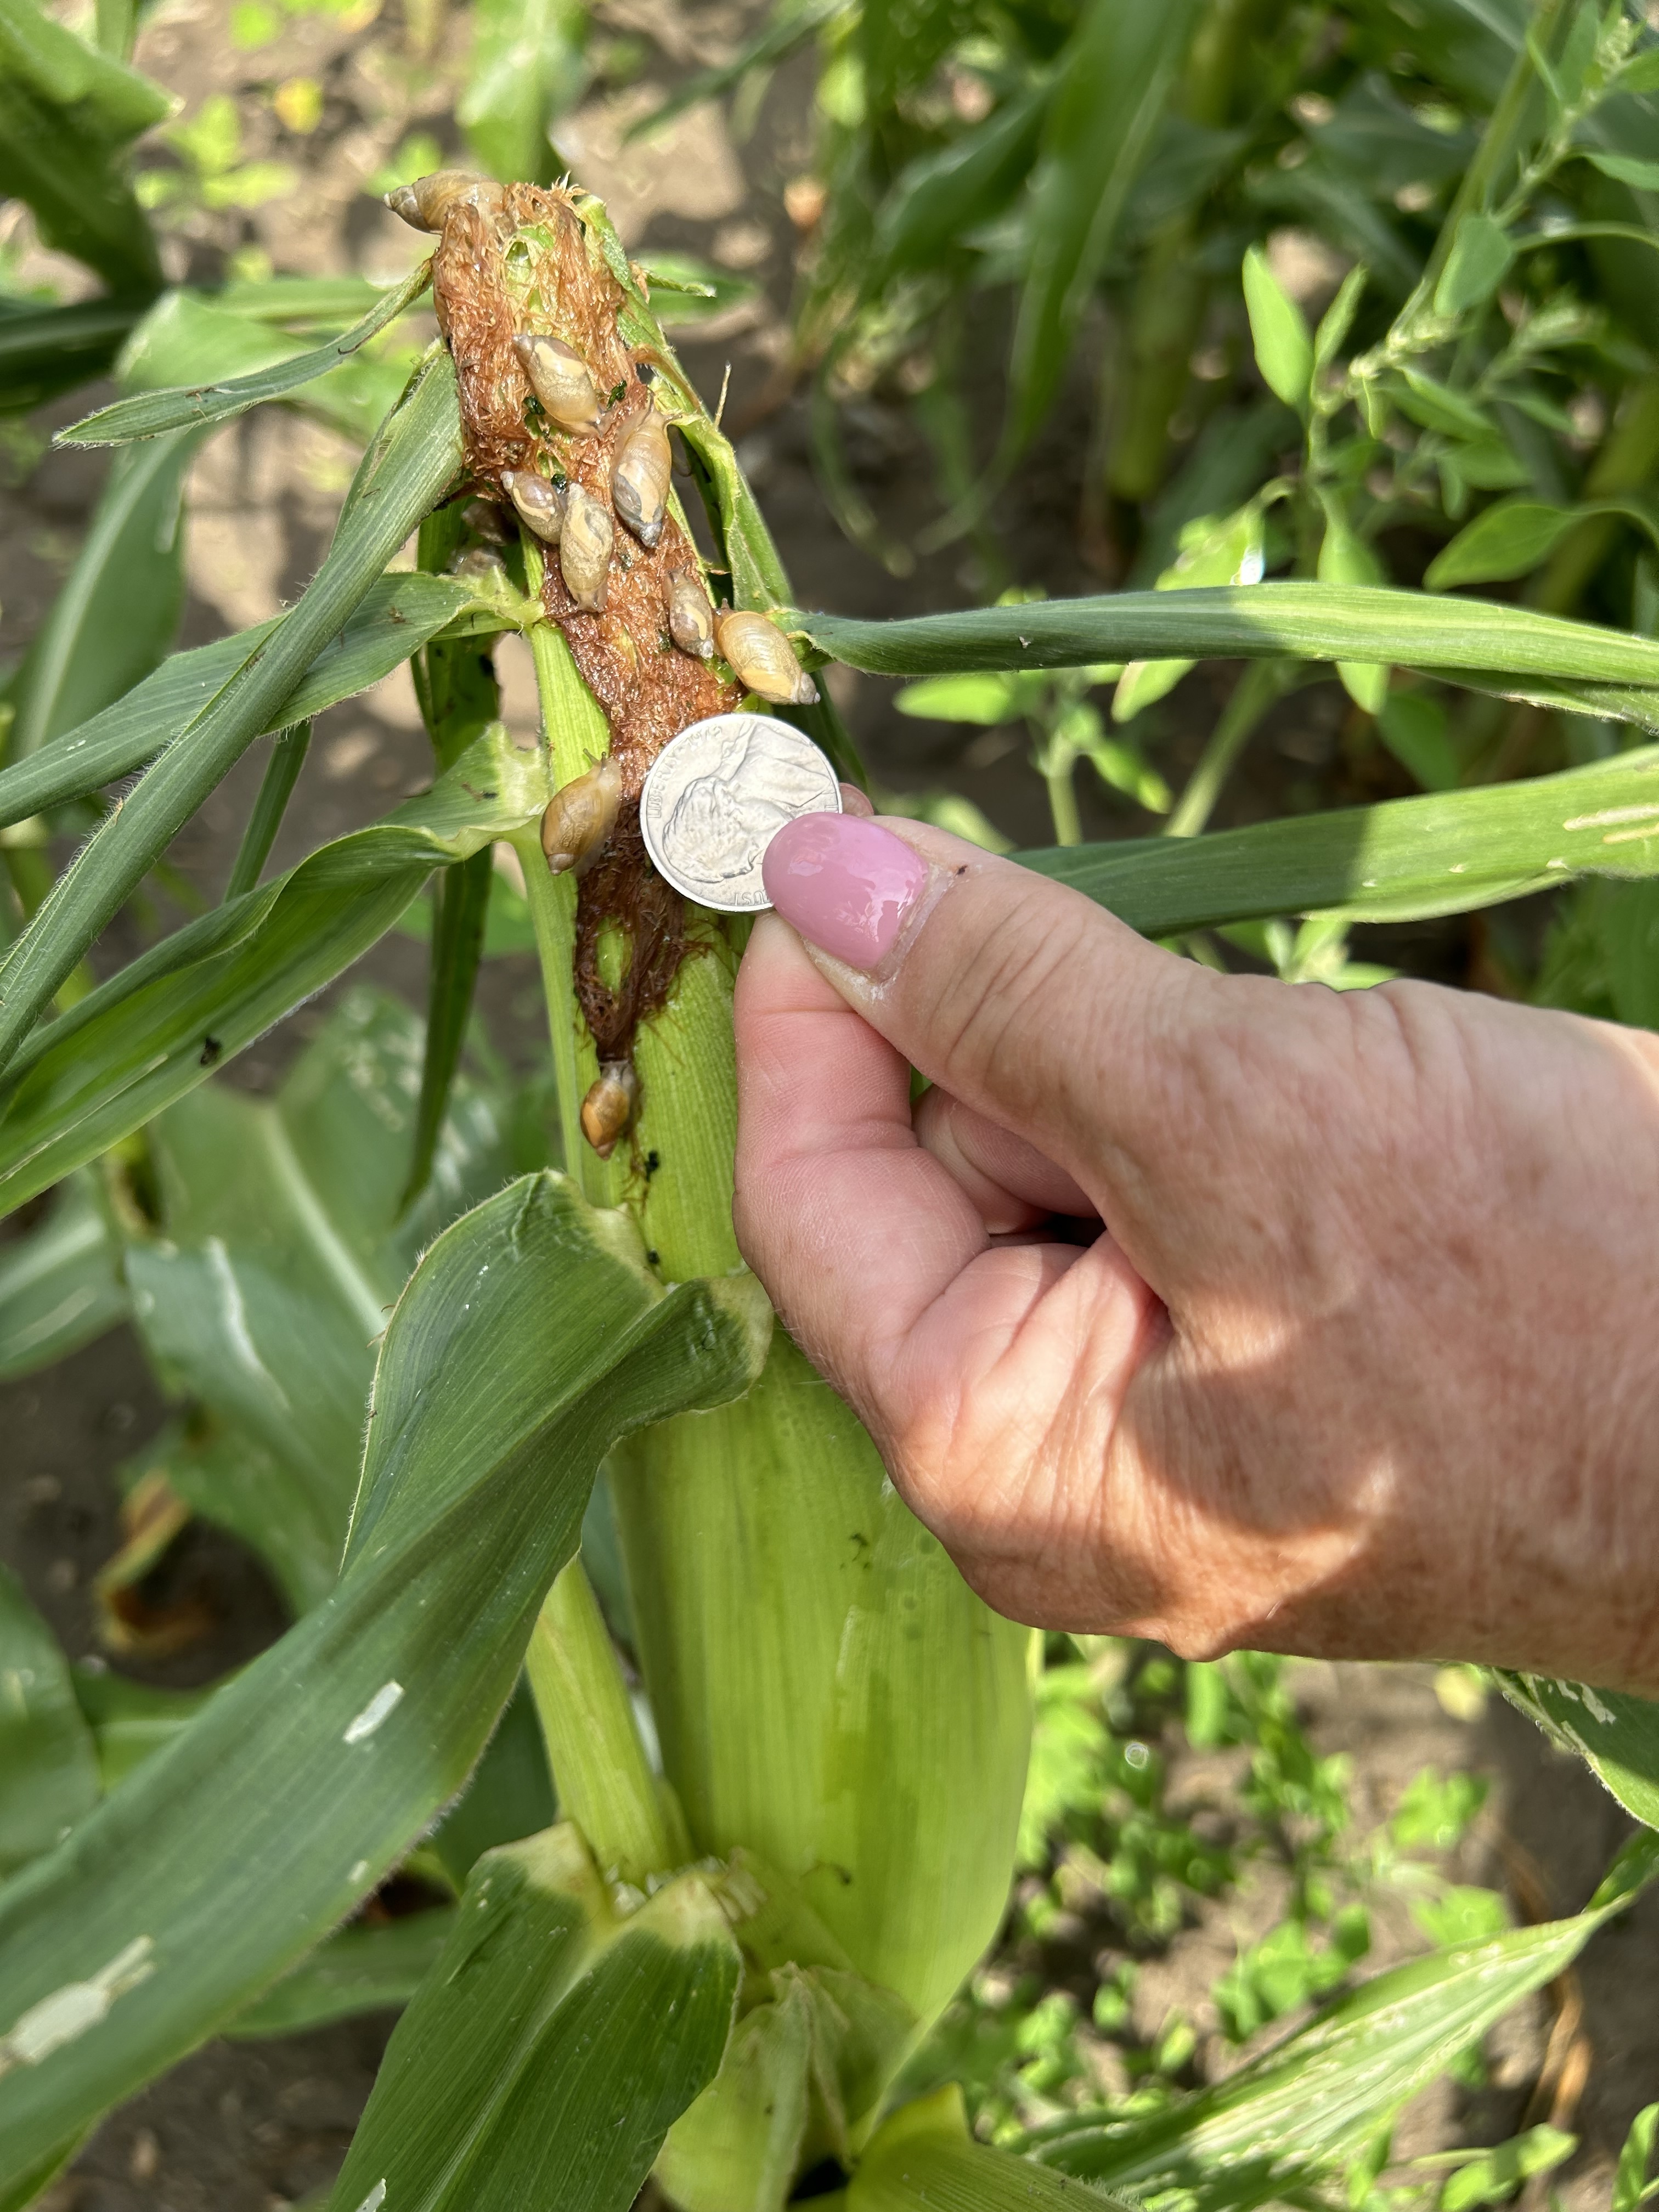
x: 846, y: 883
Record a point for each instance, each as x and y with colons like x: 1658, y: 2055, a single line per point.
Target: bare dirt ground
x: 246, y: 2128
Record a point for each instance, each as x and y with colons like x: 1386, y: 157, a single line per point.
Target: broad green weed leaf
x: 1229, y: 551
x: 1494, y: 2178
x: 1323, y: 2093
x: 395, y: 616
x: 1630, y: 2185
x: 1346, y: 559
x: 148, y: 414
x: 1279, y: 331
x: 1437, y: 407
x: 60, y: 1284
x: 1509, y: 539
x: 362, y: 1969
x: 402, y: 477
x: 48, y: 1765
x: 1625, y: 168
x: 115, y: 616
x: 1337, y: 318
x: 151, y: 1032
x: 1113, y: 81
x: 66, y: 112
x: 179, y: 1898
x: 1417, y: 731
x: 546, y: 2054
x: 1478, y: 262
x: 988, y: 700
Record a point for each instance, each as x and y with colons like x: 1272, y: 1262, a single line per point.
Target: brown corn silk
x: 533, y: 271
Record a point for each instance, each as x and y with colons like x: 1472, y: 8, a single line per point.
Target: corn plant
x: 721, y: 1963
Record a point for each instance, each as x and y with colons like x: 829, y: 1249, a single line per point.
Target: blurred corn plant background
x: 1169, y: 373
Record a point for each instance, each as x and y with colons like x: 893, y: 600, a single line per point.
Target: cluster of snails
x: 562, y: 513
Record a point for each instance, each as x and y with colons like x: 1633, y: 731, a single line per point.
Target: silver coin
x: 717, y: 795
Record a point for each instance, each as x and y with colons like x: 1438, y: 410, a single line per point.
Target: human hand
x: 1360, y: 1363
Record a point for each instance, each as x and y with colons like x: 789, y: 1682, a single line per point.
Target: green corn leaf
x: 965, y: 183
x: 288, y: 757
x: 1279, y: 333
x: 1312, y: 622
x: 148, y: 414
x: 1481, y: 253
x: 1444, y: 854
x: 48, y: 1763
x: 45, y: 351
x: 1287, y: 2116
x: 401, y: 478
x: 115, y: 616
x: 1616, y: 1736
x: 179, y: 1898
x: 554, y: 2042
x: 395, y: 617
x: 1112, y: 82
x: 457, y: 941
x: 275, y: 1264
x: 361, y: 1969
x: 788, y: 28
x: 60, y: 1284
x: 66, y: 112
x: 924, y: 2159
x: 151, y: 1032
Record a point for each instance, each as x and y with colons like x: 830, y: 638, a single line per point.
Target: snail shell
x: 763, y: 659
x: 609, y: 1106
x: 690, y: 618
x: 639, y: 476
x: 561, y: 380
x: 585, y: 549
x: 424, y: 204
x: 580, y: 818
x: 538, y: 505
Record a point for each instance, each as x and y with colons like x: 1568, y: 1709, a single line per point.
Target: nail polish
x: 846, y: 883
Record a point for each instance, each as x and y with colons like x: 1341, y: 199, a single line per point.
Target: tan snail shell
x: 639, y: 476
x: 561, y: 380
x: 763, y: 659
x: 538, y: 503
x: 609, y: 1106
x: 690, y: 618
x: 580, y: 818
x: 424, y: 203
x: 585, y: 549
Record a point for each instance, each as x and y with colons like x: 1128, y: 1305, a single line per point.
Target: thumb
x: 1017, y: 995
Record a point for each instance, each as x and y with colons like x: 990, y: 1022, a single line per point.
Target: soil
x: 252, y: 2128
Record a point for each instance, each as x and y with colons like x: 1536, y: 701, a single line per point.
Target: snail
x: 580, y: 818
x: 561, y: 380
x: 690, y: 618
x: 585, y: 549
x: 424, y: 204
x: 639, y: 476
x: 763, y: 658
x: 538, y: 505
x: 609, y: 1106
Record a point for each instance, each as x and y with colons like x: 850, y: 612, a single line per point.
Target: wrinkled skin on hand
x: 1355, y: 1357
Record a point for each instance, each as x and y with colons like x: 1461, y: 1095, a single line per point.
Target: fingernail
x: 846, y: 883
